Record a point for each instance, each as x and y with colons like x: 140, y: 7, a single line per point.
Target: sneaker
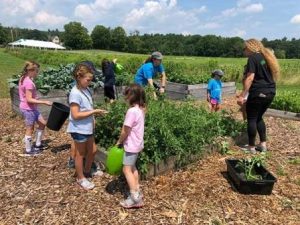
x: 34, y: 151
x: 85, y: 184
x: 41, y: 146
x: 94, y: 173
x: 260, y: 148
x: 71, y: 163
x: 129, y: 203
x: 247, y: 149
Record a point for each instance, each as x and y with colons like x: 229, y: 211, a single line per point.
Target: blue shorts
x: 81, y: 138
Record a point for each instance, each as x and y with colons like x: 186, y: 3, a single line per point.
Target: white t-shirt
x: 84, y: 99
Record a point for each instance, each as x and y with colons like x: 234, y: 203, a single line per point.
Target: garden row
x: 61, y: 78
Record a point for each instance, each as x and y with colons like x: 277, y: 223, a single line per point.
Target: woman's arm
x: 124, y: 134
x: 150, y: 82
x: 246, y: 86
x: 31, y: 100
x: 163, y: 78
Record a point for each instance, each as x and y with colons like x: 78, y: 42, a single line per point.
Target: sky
x: 273, y: 19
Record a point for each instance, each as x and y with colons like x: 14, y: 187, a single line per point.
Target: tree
x: 3, y: 35
x: 76, y: 36
x: 134, y: 42
x: 101, y: 37
x: 118, y: 39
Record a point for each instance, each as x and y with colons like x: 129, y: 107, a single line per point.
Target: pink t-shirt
x: 27, y: 85
x: 135, y: 119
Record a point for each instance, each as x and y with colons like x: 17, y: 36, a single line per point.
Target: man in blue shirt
x: 149, y: 70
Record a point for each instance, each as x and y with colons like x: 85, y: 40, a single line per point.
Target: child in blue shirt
x: 214, y: 90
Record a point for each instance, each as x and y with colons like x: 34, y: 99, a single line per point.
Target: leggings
x: 255, y: 108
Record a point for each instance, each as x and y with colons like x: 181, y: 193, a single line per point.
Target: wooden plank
x: 175, y: 95
x: 171, y: 86
x: 283, y: 114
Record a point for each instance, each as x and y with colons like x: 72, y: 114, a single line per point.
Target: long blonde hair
x: 255, y: 46
x: 29, y: 66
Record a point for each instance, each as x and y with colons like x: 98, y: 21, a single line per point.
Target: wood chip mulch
x: 42, y: 190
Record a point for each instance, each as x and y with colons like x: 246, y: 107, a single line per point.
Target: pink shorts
x: 214, y: 101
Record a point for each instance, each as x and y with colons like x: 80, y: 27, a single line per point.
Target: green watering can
x: 118, y: 68
x: 114, y: 161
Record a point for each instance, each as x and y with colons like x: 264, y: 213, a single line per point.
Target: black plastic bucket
x: 58, y: 115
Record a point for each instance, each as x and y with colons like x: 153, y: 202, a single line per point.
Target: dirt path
x: 41, y: 190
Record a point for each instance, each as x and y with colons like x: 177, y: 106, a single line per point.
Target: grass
x: 9, y: 65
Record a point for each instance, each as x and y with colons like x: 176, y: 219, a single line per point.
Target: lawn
x: 9, y: 65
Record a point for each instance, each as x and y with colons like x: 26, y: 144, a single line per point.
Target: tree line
x: 76, y: 36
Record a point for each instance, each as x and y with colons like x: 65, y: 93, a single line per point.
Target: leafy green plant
x: 287, y: 100
x: 171, y: 129
x: 248, y: 166
x: 60, y: 78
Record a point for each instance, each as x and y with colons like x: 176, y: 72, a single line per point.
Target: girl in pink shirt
x: 28, y: 107
x: 132, y: 137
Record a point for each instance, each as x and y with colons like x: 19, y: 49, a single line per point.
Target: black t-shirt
x: 109, y: 74
x: 263, y: 81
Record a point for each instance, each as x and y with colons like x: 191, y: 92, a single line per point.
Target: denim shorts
x: 129, y: 158
x: 81, y: 137
x: 31, y: 116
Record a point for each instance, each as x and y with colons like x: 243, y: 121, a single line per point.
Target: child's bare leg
x: 72, y: 150
x: 90, y: 154
x: 213, y: 107
x: 130, y: 178
x: 80, y: 149
x: 217, y: 107
x: 136, y: 177
x: 40, y: 131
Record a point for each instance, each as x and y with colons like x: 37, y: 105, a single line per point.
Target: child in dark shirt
x: 109, y: 79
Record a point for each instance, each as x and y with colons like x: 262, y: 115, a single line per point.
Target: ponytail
x: 29, y: 65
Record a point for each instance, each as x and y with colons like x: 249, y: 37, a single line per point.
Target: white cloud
x: 163, y: 16
x: 254, y: 8
x: 243, y: 6
x: 211, y: 25
x: 239, y: 33
x: 16, y: 7
x: 100, y: 8
x: 44, y: 18
x: 295, y: 19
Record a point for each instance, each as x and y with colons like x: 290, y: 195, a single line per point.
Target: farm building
x: 35, y: 44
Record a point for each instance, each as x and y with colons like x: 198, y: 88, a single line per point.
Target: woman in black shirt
x: 262, y: 71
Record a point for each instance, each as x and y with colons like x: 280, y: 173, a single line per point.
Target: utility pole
x: 12, y: 34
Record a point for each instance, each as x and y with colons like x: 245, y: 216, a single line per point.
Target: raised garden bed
x: 261, y: 186
x: 283, y: 114
x: 179, y: 91
x: 55, y: 96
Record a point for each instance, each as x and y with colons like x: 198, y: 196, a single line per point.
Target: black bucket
x: 58, y: 115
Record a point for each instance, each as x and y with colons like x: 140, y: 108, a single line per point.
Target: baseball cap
x: 157, y: 55
x: 218, y: 72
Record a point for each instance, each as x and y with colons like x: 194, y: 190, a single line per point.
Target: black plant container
x: 260, y: 187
